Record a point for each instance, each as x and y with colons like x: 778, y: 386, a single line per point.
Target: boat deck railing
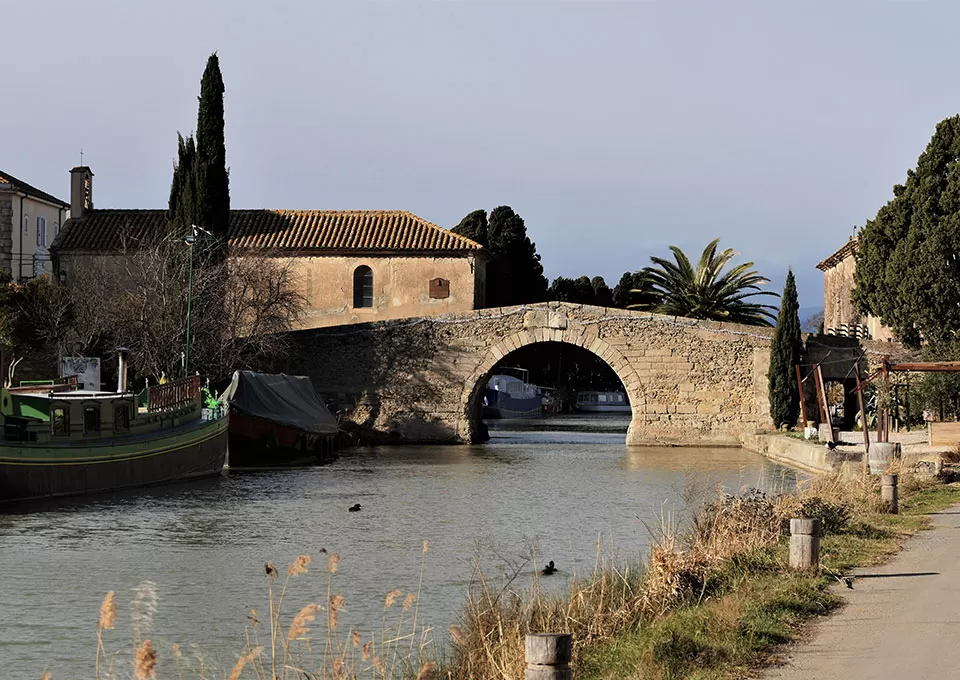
x: 173, y: 395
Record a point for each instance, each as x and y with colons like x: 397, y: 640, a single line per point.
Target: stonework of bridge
x: 422, y: 380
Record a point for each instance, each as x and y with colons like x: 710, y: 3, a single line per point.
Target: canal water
x: 543, y: 490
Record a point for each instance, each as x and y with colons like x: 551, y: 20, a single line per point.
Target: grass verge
x: 757, y: 603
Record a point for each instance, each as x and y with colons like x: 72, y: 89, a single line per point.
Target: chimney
x: 81, y: 192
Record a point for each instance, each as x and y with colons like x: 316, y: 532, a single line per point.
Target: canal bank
x: 846, y: 458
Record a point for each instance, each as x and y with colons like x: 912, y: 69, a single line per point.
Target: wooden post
x: 824, y: 404
x: 863, y: 422
x: 548, y: 656
x: 803, y: 406
x: 804, y: 543
x: 888, y: 493
x: 821, y: 398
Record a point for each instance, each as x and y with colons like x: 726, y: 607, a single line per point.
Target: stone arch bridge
x: 422, y: 380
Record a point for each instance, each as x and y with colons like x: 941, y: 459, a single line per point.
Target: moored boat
x: 60, y: 441
x: 602, y: 402
x: 277, y: 420
x: 509, y: 396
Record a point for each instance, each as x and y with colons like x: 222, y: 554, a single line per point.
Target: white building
x: 29, y: 221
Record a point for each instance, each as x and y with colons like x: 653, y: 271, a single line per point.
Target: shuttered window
x: 363, y: 286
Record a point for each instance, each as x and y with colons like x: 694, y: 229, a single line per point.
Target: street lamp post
x: 191, y: 241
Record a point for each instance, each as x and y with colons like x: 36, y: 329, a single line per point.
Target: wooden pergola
x: 883, y: 417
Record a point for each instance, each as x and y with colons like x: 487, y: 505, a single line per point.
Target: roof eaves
x: 841, y: 254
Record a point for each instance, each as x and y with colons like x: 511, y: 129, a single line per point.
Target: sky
x: 616, y: 129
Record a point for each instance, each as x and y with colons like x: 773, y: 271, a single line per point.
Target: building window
x: 91, y: 419
x: 60, y: 421
x: 26, y: 224
x: 363, y: 286
x: 41, y: 231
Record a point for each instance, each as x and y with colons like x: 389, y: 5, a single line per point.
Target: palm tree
x: 707, y: 292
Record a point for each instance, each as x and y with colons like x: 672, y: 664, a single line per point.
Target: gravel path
x: 902, y: 620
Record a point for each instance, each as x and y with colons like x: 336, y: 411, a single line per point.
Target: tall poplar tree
x: 784, y: 355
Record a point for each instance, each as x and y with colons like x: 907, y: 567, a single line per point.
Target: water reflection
x: 204, y: 544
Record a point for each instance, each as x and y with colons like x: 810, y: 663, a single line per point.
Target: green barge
x: 59, y: 440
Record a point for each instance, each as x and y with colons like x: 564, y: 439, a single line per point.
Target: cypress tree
x: 621, y: 293
x: 514, y: 274
x: 784, y: 355
x: 602, y: 295
x: 474, y: 227
x: 908, y: 256
x: 213, y: 181
x: 183, y: 188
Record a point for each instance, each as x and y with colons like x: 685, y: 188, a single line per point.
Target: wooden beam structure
x: 803, y: 406
x: 924, y: 366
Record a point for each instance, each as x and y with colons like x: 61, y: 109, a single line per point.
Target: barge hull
x: 190, y: 453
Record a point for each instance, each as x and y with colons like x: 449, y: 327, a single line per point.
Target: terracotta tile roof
x: 300, y: 230
x: 846, y: 249
x: 20, y: 185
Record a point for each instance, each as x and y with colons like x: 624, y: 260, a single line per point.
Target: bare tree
x: 140, y: 299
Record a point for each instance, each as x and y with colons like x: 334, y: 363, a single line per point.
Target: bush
x: 834, y: 517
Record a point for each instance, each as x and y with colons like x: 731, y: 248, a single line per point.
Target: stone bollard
x: 881, y: 455
x: 548, y: 656
x: 804, y: 543
x: 889, y: 495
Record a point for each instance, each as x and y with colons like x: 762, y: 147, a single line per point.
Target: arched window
x: 363, y: 286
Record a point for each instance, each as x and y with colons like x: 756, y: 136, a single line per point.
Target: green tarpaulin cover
x: 282, y: 399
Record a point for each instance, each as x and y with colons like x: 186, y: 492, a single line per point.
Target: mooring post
x: 888, y: 493
x: 548, y: 656
x: 804, y: 543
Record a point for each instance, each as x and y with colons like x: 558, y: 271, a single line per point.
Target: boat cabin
x: 57, y: 411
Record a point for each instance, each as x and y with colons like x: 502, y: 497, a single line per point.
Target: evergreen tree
x: 602, y: 294
x: 514, y: 273
x: 183, y: 189
x: 784, y: 356
x: 583, y: 291
x: 563, y: 289
x: 213, y: 181
x: 474, y: 227
x: 908, y: 258
x: 621, y: 292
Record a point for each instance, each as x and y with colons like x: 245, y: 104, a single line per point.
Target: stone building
x: 351, y: 266
x: 29, y: 221
x: 840, y: 316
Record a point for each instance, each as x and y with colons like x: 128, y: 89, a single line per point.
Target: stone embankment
x: 813, y: 456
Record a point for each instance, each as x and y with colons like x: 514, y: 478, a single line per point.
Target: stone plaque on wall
x: 439, y: 289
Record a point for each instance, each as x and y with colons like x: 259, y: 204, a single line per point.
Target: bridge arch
x: 474, y: 385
